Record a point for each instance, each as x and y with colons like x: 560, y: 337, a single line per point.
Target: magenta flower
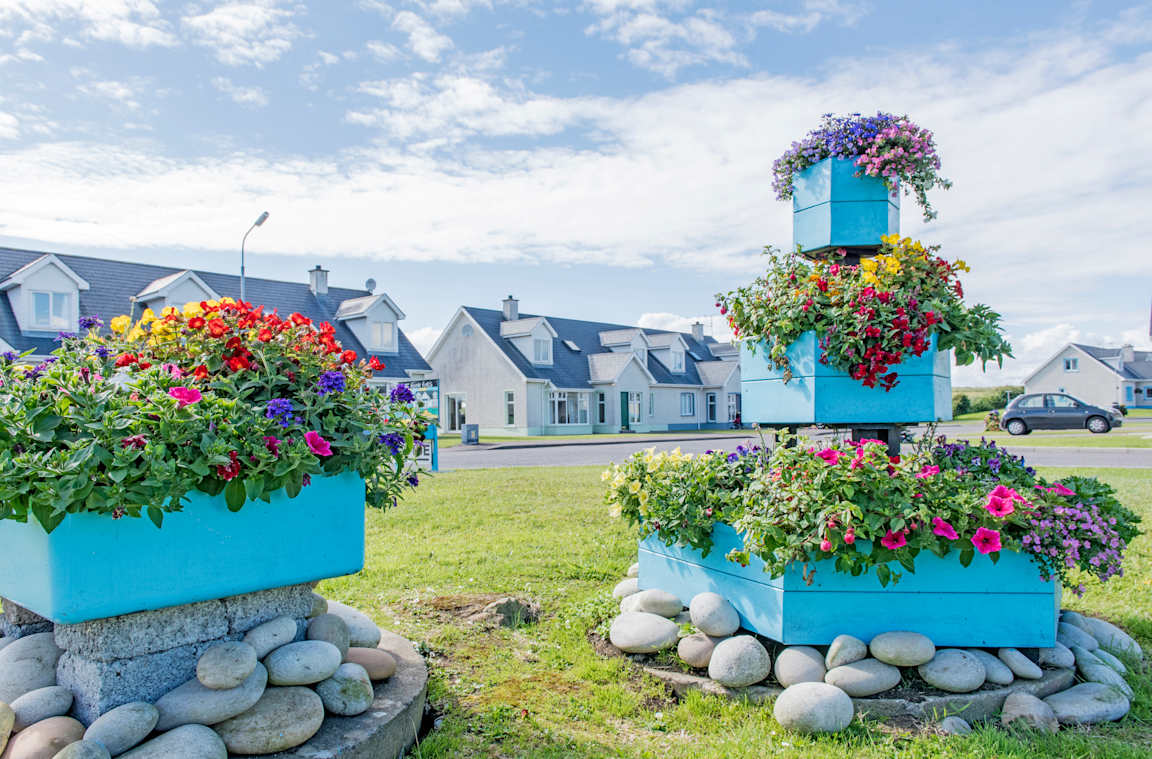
x: 1004, y: 492
x: 986, y: 541
x: 185, y: 395
x: 1059, y: 489
x: 830, y: 455
x: 928, y: 471
x: 317, y: 444
x: 826, y: 545
x: 893, y: 540
x: 943, y: 529
x: 999, y: 506
x: 273, y: 445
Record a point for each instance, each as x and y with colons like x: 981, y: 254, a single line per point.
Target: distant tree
x: 961, y: 404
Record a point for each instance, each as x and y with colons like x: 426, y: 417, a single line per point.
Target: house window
x: 711, y: 403
x: 677, y: 361
x: 582, y: 400
x: 52, y: 310
x: 567, y: 408
x: 383, y: 334
x: 601, y: 408
x: 687, y: 404
x: 509, y: 408
x: 456, y: 415
x: 635, y: 406
x: 733, y: 406
x: 1071, y: 364
x: 542, y: 351
x: 651, y: 405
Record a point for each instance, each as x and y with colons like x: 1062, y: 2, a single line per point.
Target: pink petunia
x: 1059, y: 489
x: 928, y: 471
x: 999, y: 506
x: 893, y: 540
x: 185, y: 395
x: 317, y: 444
x: 943, y: 529
x: 1001, y: 491
x: 986, y: 541
x: 830, y: 455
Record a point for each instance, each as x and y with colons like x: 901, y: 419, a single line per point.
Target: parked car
x: 1055, y: 411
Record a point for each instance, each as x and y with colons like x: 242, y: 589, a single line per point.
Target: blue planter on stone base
x: 93, y: 566
x: 833, y: 208
x: 987, y: 605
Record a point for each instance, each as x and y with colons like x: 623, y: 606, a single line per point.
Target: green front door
x: 624, y: 411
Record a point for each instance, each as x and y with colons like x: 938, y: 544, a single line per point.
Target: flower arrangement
x: 886, y: 146
x: 855, y: 505
x: 217, y: 397
x: 870, y: 316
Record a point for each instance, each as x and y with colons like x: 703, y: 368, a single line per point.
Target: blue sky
x: 607, y: 159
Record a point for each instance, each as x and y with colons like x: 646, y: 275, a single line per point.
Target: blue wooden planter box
x: 821, y: 394
x: 832, y: 208
x: 994, y: 605
x: 93, y: 566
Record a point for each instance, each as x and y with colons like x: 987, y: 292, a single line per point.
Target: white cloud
x: 9, y: 126
x: 241, y: 33
x: 658, y: 43
x: 424, y: 338
x: 135, y: 23
x: 249, y: 96
x: 383, y: 51
x: 714, y: 325
x: 125, y: 92
x: 423, y: 39
x: 810, y: 15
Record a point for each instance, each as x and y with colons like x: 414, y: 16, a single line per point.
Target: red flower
x: 229, y: 471
x: 348, y: 356
x: 134, y: 441
x: 126, y: 359
x: 200, y: 372
x: 299, y: 319
x: 196, y: 322
x: 273, y: 445
x: 375, y: 364
x: 264, y: 335
x: 237, y: 363
x: 143, y: 364
x: 217, y: 328
x: 986, y: 541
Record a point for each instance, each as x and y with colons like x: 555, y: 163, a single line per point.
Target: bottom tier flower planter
x: 989, y: 605
x: 93, y: 566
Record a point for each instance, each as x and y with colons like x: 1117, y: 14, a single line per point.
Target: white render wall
x: 1094, y: 383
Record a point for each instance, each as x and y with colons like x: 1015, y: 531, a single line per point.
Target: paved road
x: 601, y: 454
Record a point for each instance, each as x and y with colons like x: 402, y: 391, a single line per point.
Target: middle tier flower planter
x: 834, y: 208
x: 821, y: 394
x: 1005, y: 604
x: 94, y: 566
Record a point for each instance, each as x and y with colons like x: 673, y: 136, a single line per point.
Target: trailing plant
x: 217, y: 397
x: 870, y: 317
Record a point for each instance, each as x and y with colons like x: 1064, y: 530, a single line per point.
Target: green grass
x: 453, y: 440
x: 541, y: 692
x: 1122, y: 438
x: 1140, y: 413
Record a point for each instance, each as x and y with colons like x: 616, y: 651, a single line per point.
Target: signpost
x: 427, y: 394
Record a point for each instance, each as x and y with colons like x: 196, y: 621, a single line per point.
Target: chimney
x: 318, y: 280
x: 698, y: 332
x: 511, y: 309
x: 1127, y: 355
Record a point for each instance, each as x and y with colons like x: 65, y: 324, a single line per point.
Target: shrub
x: 961, y: 404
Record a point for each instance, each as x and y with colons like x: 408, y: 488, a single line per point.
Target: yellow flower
x: 135, y: 334
x: 226, y: 301
x: 644, y: 497
x: 169, y: 311
x: 212, y: 304
x: 962, y: 265
x: 633, y: 487
x: 192, y: 308
x: 119, y: 324
x: 162, y: 329
x: 606, y: 475
x: 147, y: 317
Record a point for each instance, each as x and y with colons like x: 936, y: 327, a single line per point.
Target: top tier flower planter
x: 92, y: 566
x: 833, y: 208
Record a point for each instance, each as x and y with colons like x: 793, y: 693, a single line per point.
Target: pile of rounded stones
x: 821, y: 689
x: 267, y: 693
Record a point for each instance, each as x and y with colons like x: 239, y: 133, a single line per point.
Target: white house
x: 1100, y: 376
x: 519, y: 374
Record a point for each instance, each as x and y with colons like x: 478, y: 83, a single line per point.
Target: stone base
x: 389, y: 728
x: 17, y: 622
x: 140, y: 657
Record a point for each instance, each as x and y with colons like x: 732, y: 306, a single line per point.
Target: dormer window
x: 541, y: 351
x: 383, y: 335
x: 677, y: 361
x: 51, y: 310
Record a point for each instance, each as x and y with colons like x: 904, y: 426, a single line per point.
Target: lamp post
x: 259, y: 222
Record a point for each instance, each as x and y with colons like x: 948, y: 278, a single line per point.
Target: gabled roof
x: 160, y: 287
x: 114, y: 283
x: 621, y: 336
x: 666, y: 340
x: 41, y: 260
x: 1140, y: 368
x: 354, y: 308
x: 571, y: 368
x: 524, y: 326
x: 607, y: 367
x: 715, y: 373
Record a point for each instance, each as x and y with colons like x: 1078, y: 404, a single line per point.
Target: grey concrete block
x: 145, y: 632
x: 18, y: 622
x: 250, y: 609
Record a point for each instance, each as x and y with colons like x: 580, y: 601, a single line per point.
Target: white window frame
x: 1071, y: 364
x: 541, y: 350
x: 733, y: 406
x: 573, y: 404
x: 376, y: 335
x: 456, y: 402
x: 635, y: 407
x: 678, y: 361
x: 65, y: 323
x: 688, y: 404
x: 711, y: 406
x: 509, y: 408
x: 582, y: 408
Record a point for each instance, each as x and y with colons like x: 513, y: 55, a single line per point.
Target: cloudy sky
x: 603, y: 159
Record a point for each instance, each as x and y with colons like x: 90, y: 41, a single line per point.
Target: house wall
x: 48, y: 278
x: 1093, y: 383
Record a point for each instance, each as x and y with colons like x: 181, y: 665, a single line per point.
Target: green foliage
x: 961, y: 404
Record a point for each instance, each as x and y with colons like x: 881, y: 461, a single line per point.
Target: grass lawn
x: 1125, y: 437
x: 453, y: 440
x: 541, y: 692
x: 1140, y: 413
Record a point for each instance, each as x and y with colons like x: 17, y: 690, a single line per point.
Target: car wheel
x: 1098, y: 424
x: 1017, y: 427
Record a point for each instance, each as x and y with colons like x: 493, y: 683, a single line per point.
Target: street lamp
x: 259, y: 221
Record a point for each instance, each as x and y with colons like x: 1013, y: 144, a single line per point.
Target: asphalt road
x: 601, y: 454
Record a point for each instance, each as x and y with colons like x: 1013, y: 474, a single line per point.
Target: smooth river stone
x: 739, y: 661
x: 866, y: 677
x: 1021, y: 665
x: 845, y: 649
x: 1102, y: 673
x: 7, y: 720
x: 348, y: 692
x: 995, y: 671
x: 955, y: 726
x: 303, y: 663
x: 713, y: 614
x: 193, y: 704
x: 45, y: 739
x: 123, y: 727
x: 696, y: 649
x: 269, y: 636
x: 40, y: 704
x: 1029, y: 710
x: 28, y: 664
x: 953, y: 670
x: 83, y: 750
x: 655, y: 601
x: 638, y: 632
x: 1084, y: 657
x: 813, y: 708
x: 634, y: 570
x: 1088, y: 703
x: 283, y: 718
x: 902, y: 649
x: 799, y: 664
x: 226, y: 665
x: 1058, y: 655
x: 5, y: 641
x: 626, y: 587
x: 1070, y: 635
x: 330, y: 629
x: 1113, y: 638
x: 379, y: 664
x: 362, y: 631
x: 1111, y: 661
x: 319, y: 606
x: 1076, y: 619
x: 185, y: 742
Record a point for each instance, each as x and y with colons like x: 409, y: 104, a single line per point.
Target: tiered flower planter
x: 1005, y: 604
x: 92, y: 566
x: 833, y: 208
